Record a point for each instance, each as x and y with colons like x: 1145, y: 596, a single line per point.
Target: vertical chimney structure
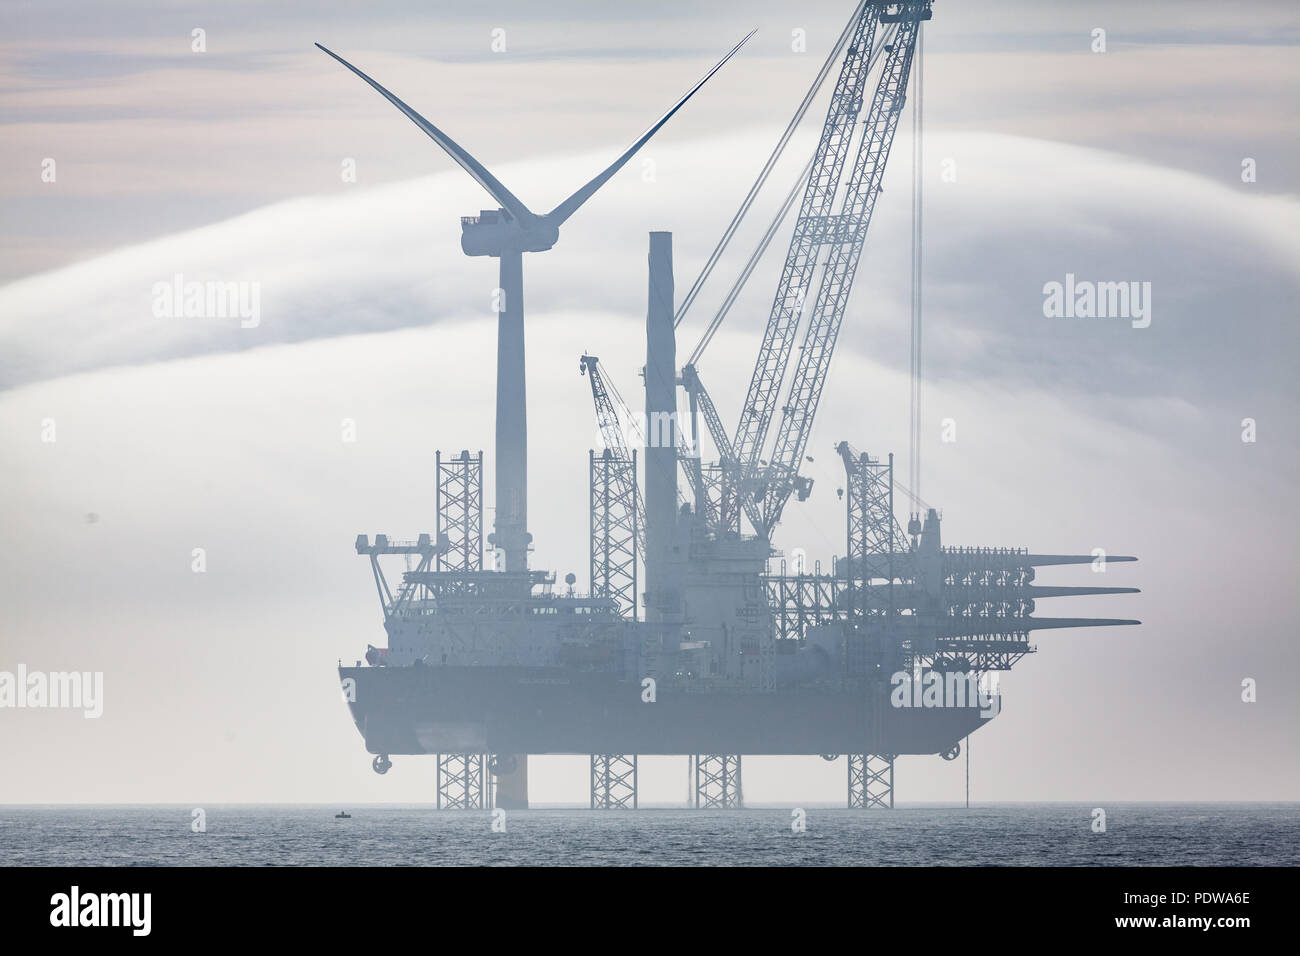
x: 663, y: 592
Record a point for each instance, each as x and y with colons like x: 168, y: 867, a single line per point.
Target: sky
x: 1043, y: 158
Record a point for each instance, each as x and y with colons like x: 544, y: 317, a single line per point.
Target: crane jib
x: 802, y: 257
x: 834, y: 238
x: 840, y: 270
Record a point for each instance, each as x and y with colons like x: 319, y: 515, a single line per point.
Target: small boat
x: 342, y: 815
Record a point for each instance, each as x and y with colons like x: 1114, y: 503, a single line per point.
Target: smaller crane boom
x: 611, y: 433
x: 718, y: 431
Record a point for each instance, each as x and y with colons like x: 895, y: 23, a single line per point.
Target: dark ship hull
x: 552, y: 710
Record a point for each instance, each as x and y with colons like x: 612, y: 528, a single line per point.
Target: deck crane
x: 605, y: 396
x: 826, y: 231
x: 618, y: 515
x: 618, y: 579
x: 611, y: 431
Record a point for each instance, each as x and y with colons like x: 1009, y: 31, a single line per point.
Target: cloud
x: 1222, y: 264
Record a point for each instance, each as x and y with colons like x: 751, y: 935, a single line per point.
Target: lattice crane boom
x: 802, y: 256
x: 611, y: 433
x: 846, y: 234
x: 713, y: 421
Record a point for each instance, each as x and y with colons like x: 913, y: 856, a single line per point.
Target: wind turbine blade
x: 567, y: 208
x: 467, y: 162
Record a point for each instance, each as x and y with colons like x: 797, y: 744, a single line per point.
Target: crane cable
x: 767, y: 168
x: 798, y: 187
x: 739, y: 284
x: 918, y: 179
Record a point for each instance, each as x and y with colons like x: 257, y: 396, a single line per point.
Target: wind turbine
x: 506, y: 234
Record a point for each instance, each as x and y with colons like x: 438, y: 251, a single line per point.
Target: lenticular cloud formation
x: 1004, y: 217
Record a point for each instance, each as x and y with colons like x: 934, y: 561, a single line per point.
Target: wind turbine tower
x: 506, y: 234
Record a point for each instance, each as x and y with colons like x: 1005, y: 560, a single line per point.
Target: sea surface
x: 1224, y: 834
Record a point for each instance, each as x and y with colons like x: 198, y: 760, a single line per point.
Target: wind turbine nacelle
x: 494, y: 231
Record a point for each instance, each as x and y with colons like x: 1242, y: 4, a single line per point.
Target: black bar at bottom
x: 334, y: 904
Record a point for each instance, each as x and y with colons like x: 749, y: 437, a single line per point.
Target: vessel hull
x: 531, y: 710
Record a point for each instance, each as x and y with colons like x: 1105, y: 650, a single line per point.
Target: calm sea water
x: 383, y: 835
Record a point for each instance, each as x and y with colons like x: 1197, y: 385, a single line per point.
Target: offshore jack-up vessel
x: 720, y: 654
